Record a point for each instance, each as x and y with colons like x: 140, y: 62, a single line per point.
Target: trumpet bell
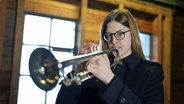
x: 43, y: 69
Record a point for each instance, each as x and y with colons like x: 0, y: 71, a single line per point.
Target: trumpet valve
x: 82, y: 76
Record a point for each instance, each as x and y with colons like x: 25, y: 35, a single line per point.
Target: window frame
x: 57, y: 49
x: 22, y: 8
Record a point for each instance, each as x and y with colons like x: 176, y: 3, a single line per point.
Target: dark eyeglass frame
x: 115, y: 35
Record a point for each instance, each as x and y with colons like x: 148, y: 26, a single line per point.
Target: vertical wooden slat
x: 17, y: 53
x: 3, y: 5
x: 160, y: 37
x: 3, y: 74
x: 161, y: 40
x: 166, y: 53
x: 82, y: 25
x: 121, y: 6
x: 157, y: 38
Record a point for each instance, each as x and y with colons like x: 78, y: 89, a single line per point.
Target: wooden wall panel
x: 177, y: 72
x: 7, y: 27
x: 51, y: 7
x: 16, y: 53
x: 145, y: 26
x: 3, y: 5
x: 93, y: 25
x: 167, y: 28
x: 157, y: 38
x: 82, y: 22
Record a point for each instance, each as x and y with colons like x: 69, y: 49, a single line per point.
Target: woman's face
x: 124, y: 45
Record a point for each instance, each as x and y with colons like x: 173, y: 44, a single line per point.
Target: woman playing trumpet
x: 134, y: 80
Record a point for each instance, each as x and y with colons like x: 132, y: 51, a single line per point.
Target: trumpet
x: 44, y: 68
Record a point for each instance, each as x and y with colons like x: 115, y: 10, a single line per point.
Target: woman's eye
x: 119, y: 34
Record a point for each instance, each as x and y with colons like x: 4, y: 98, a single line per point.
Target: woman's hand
x: 85, y: 49
x: 99, y: 66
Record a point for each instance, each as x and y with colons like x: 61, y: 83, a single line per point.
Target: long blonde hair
x: 124, y: 17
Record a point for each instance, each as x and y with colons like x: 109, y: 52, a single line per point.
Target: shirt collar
x: 132, y: 60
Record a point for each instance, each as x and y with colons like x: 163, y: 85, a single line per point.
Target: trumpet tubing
x: 44, y: 68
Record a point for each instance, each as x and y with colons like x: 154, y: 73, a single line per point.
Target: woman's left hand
x: 99, y: 66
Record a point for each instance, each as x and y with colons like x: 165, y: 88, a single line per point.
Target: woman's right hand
x: 85, y: 49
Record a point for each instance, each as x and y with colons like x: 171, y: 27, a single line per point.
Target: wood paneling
x: 3, y: 5
x: 17, y: 53
x: 7, y: 27
x: 53, y: 8
x: 166, y: 53
x: 82, y: 22
x: 89, y: 18
x: 177, y: 72
x: 93, y: 25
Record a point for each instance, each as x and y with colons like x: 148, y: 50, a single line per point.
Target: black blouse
x: 136, y: 81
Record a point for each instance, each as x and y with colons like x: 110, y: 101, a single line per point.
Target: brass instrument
x: 44, y: 68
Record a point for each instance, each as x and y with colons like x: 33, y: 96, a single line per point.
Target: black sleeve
x: 118, y: 93
x: 154, y: 91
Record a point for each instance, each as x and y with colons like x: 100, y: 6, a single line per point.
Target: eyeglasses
x: 119, y: 35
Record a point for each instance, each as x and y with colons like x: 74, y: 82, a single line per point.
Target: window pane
x: 62, y: 33
x: 52, y: 94
x: 26, y: 52
x: 61, y: 56
x: 36, y: 30
x: 29, y: 93
x: 145, y: 41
